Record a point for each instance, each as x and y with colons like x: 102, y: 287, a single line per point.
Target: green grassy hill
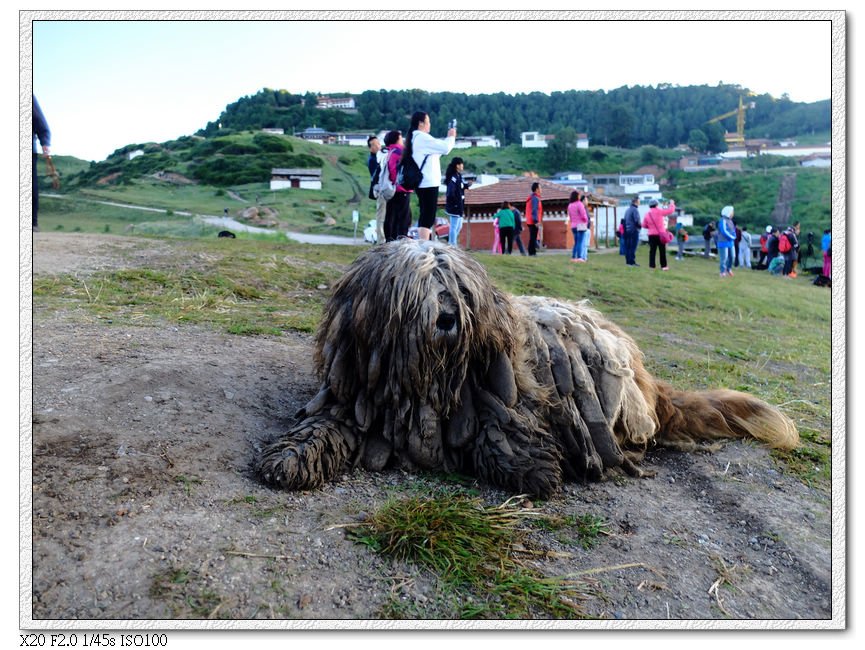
x: 209, y: 175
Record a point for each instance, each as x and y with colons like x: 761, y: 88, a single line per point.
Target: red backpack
x: 784, y: 243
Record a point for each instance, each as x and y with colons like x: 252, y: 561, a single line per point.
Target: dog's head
x: 412, y: 317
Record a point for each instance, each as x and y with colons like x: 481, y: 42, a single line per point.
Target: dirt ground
x: 144, y: 505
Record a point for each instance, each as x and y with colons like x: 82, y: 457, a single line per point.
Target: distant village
x: 606, y: 193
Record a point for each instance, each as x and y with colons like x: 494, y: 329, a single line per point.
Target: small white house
x: 134, y: 154
x: 352, y: 139
x: 582, y: 141
x: 272, y: 130
x: 471, y: 141
x: 303, y: 179
x: 533, y: 140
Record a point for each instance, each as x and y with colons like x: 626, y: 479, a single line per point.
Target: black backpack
x: 408, y: 174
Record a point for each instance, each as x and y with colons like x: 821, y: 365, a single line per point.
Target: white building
x: 471, y: 141
x: 534, y: 140
x: 353, y: 139
x: 582, y: 141
x: 623, y: 184
x: 135, y: 154
x: 303, y: 179
x: 273, y: 131
x: 335, y: 102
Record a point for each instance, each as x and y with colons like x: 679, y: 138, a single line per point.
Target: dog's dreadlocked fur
x: 425, y: 364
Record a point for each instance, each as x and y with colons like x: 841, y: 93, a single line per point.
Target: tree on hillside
x: 619, y: 124
x: 560, y: 148
x: 698, y: 141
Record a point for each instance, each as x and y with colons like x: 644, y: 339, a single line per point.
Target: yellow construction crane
x: 737, y: 138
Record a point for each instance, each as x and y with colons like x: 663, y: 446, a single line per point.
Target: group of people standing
x: 655, y: 222
x: 394, y: 214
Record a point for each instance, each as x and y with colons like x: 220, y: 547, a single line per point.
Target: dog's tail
x: 686, y: 419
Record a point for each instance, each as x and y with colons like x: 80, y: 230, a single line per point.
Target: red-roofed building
x: 481, y: 204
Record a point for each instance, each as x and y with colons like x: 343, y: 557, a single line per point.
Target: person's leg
x: 427, y: 198
x: 662, y: 248
x: 380, y: 216
x: 533, y: 239
x: 35, y: 201
x: 576, y: 248
x: 518, y: 238
x: 653, y: 246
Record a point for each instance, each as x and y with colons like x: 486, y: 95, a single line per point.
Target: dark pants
x: 655, y: 244
x: 632, y: 239
x: 397, y: 216
x: 518, y: 240
x: 533, y: 239
x: 35, y: 191
x: 427, y: 198
x: 506, y: 237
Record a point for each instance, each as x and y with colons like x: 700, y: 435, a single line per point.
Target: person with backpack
x: 455, y: 198
x: 655, y: 222
x: 772, y: 246
x: 534, y: 217
x: 373, y: 161
x: 708, y: 232
x: 632, y: 226
x: 426, y: 152
x: 726, y: 240
x: 788, y: 247
x: 397, y: 218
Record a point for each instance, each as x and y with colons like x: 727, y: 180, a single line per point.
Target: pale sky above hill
x: 106, y: 83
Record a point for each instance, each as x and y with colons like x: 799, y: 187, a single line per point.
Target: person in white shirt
x: 427, y: 152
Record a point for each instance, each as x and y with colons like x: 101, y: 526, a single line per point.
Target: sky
x: 103, y: 84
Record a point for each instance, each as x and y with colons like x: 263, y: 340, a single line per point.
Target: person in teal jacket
x: 506, y: 227
x: 726, y: 239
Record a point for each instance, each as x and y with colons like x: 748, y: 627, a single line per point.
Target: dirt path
x: 144, y: 506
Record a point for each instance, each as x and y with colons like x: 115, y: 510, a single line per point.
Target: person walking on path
x: 427, y: 152
x: 632, y: 226
x: 726, y: 240
x: 579, y: 221
x: 42, y: 133
x: 534, y: 217
x: 518, y: 229
x: 655, y: 223
x: 745, y: 249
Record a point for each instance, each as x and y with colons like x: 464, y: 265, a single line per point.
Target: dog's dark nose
x: 446, y: 322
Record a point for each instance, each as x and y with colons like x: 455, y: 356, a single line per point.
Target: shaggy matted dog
x: 425, y: 364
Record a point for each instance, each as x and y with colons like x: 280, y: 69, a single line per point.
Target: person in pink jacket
x: 579, y: 219
x: 655, y: 222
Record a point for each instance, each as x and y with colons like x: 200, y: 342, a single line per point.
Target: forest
x: 631, y: 116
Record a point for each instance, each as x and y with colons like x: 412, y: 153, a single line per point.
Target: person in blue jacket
x: 726, y: 239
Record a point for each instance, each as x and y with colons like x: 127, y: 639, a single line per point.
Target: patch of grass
x: 187, y: 482
x: 588, y: 528
x: 470, y: 546
x: 185, y: 595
